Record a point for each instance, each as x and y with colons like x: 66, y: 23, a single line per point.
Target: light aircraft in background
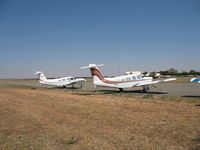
x: 121, y: 82
x: 196, y: 80
x: 59, y: 82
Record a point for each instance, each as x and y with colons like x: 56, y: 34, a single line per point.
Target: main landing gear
x: 121, y: 89
x: 81, y: 85
x: 145, y: 88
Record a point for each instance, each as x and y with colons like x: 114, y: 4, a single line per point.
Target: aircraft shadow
x: 135, y: 91
x: 66, y: 88
x: 191, y: 96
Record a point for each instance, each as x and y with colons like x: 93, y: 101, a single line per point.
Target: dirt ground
x: 51, y: 119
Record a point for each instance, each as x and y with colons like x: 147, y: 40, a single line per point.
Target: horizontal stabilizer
x: 38, y: 72
x: 92, y: 66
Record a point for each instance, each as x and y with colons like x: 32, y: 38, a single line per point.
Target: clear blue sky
x: 60, y: 36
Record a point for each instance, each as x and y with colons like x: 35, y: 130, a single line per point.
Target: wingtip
x: 193, y: 79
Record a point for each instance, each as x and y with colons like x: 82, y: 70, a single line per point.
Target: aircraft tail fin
x: 41, y: 75
x: 95, y: 72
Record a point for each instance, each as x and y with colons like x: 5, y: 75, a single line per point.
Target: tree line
x: 174, y: 72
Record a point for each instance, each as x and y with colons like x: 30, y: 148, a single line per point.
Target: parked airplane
x: 59, y: 82
x: 121, y: 82
x: 197, y: 80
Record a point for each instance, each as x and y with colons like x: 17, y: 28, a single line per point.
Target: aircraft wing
x: 77, y: 80
x: 196, y: 80
x: 155, y: 82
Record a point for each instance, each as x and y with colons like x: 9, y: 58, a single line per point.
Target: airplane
x: 121, y: 82
x: 196, y: 80
x: 59, y: 82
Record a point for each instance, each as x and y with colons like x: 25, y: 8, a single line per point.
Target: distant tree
x: 183, y: 73
x: 193, y: 72
x: 173, y: 71
x: 166, y: 72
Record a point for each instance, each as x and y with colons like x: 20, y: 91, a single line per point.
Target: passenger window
x: 128, y: 79
x: 133, y: 78
x: 139, y: 77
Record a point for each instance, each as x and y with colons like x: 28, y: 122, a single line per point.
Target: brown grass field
x: 52, y: 119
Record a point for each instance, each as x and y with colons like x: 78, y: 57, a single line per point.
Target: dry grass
x: 53, y: 119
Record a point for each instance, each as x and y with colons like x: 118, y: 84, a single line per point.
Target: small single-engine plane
x: 121, y: 82
x: 59, y: 82
x: 196, y: 80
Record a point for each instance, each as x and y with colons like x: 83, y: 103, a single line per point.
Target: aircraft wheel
x: 121, y: 89
x: 145, y: 89
x: 81, y: 85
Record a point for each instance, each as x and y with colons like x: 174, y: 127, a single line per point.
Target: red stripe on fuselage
x: 96, y: 72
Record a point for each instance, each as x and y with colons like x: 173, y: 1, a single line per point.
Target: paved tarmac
x: 178, y: 89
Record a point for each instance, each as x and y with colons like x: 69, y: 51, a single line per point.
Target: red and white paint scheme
x: 59, y: 82
x: 121, y: 82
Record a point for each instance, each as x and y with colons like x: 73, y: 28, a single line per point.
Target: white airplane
x: 196, y: 80
x: 59, y: 82
x: 121, y: 82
